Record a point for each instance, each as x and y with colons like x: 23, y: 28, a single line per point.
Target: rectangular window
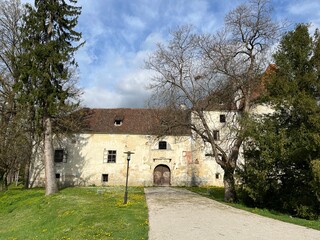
x: 105, y: 178
x: 162, y: 145
x: 109, y: 156
x: 216, y: 135
x: 222, y: 118
x: 57, y: 175
x: 58, y: 155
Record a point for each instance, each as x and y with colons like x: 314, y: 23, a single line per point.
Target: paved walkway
x: 177, y: 214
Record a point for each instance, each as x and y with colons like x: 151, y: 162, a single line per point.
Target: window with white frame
x: 109, y: 156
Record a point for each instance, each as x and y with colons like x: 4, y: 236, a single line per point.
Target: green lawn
x: 92, y: 213
x: 217, y: 193
x: 73, y: 213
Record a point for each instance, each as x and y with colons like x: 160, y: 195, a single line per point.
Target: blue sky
x: 121, y: 34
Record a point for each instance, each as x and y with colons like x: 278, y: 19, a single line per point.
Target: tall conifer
x: 49, y: 43
x: 283, y: 157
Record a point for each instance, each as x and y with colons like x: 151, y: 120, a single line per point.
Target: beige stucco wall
x: 262, y: 109
x: 185, y: 157
x: 84, y: 163
x: 227, y: 132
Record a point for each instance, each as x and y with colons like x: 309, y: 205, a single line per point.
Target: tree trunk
x: 51, y: 184
x: 229, y: 186
x: 27, y: 174
x: 5, y: 181
x: 1, y: 182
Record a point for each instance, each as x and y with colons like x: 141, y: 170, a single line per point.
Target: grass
x: 93, y: 213
x: 73, y: 213
x: 217, y: 193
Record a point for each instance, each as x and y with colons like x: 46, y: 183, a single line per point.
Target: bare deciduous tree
x: 199, y: 72
x: 15, y: 147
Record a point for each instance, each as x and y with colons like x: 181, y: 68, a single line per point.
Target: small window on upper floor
x: 59, y: 156
x: 222, y: 118
x: 118, y: 120
x: 162, y: 145
x: 216, y: 135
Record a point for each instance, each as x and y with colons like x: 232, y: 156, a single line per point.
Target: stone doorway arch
x: 162, y: 175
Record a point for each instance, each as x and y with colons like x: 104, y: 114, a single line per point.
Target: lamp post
x: 126, y: 191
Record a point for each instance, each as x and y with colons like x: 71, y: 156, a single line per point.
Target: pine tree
x: 49, y: 43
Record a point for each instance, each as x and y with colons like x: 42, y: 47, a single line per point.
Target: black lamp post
x: 126, y: 192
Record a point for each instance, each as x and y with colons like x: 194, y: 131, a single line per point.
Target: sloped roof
x: 262, y: 88
x: 224, y: 100
x: 126, y: 121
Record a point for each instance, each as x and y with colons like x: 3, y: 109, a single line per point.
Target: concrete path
x: 177, y: 214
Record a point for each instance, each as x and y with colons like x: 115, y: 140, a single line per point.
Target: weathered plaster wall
x: 85, y: 164
x: 208, y: 168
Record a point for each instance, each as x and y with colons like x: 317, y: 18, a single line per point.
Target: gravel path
x: 178, y: 214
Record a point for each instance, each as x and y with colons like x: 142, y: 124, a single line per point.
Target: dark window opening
x: 58, y: 155
x: 217, y: 175
x: 112, y: 155
x: 117, y: 122
x: 162, y: 145
x: 57, y: 175
x: 105, y: 177
x: 216, y: 135
x: 222, y: 118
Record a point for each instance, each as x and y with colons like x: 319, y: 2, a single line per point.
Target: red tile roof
x: 125, y: 121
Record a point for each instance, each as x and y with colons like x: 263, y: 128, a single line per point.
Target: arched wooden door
x: 161, y: 175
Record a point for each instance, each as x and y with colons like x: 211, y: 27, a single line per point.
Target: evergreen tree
x: 282, y: 165
x: 48, y: 40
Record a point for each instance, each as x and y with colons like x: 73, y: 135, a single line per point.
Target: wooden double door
x: 161, y: 176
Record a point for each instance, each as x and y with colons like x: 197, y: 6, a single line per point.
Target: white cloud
x: 121, y: 34
x: 133, y: 22
x: 129, y: 92
x: 100, y: 98
x: 304, y: 7
x: 27, y: 1
x: 85, y: 55
x: 152, y: 39
x: 302, y: 12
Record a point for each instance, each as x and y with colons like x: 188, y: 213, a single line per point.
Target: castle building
x: 97, y: 156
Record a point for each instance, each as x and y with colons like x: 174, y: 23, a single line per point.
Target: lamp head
x: 129, y: 155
